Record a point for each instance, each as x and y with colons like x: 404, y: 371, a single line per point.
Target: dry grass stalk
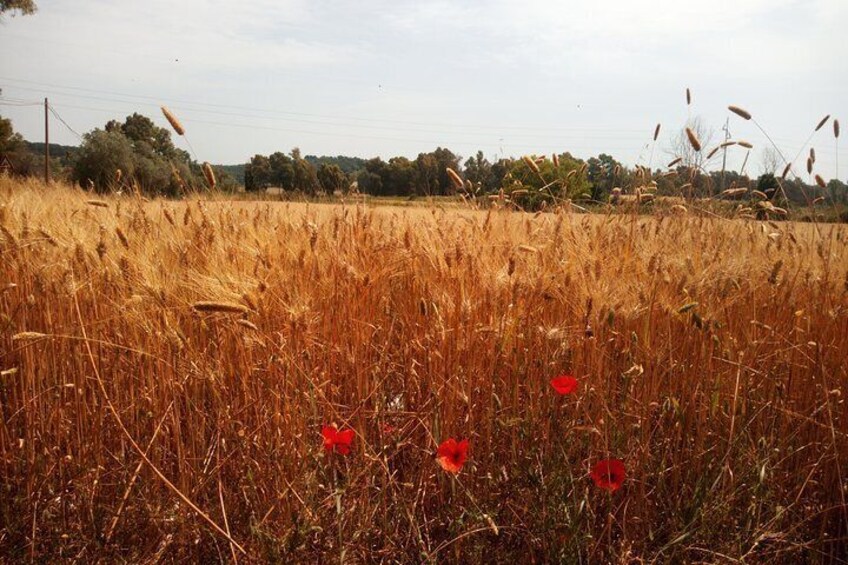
x: 28, y: 336
x: 209, y: 175
x: 745, y: 144
x: 656, y: 132
x: 531, y: 163
x: 229, y: 307
x: 744, y: 114
x: 455, y: 178
x: 836, y: 129
x: 820, y: 181
x: 693, y: 139
x: 674, y: 162
x: 172, y: 119
x: 822, y: 122
x: 97, y: 203
x: 786, y: 170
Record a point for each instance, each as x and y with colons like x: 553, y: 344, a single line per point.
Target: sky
x: 398, y: 77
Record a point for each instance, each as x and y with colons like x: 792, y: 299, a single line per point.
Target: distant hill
x: 56, y: 150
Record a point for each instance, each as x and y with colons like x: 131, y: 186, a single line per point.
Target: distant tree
x: 770, y: 161
x: 25, y: 7
x: 281, y: 170
x: 101, y: 155
x: 9, y: 140
x: 838, y: 191
x: 427, y: 178
x: 601, y: 172
x: 332, y: 179
x: 478, y: 170
x: 370, y: 180
x: 304, y: 178
x: 545, y: 183
x: 445, y: 158
x: 499, y: 172
x: 767, y: 184
x: 257, y: 173
x: 399, y: 177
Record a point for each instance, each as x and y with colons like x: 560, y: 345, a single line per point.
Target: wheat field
x: 168, y: 367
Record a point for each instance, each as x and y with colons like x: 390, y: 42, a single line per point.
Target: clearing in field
x: 212, y: 380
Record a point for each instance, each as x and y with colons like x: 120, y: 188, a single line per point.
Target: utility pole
x: 724, y: 153
x: 46, y: 145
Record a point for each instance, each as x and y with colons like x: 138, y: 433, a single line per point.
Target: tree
x: 25, y: 7
x: 427, y: 180
x: 101, y: 155
x: 478, y: 170
x: 142, y: 151
x: 304, y: 179
x: 399, y: 177
x: 281, y: 170
x: 257, y: 173
x: 9, y: 140
x: 332, y: 178
x: 542, y: 182
x: 601, y: 171
x: 370, y: 180
x: 770, y: 161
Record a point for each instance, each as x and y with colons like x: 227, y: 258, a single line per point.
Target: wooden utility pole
x: 46, y: 145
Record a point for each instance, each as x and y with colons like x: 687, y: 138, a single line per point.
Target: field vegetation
x: 172, y: 370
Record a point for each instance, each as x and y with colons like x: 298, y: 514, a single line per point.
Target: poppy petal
x: 609, y: 474
x: 565, y: 384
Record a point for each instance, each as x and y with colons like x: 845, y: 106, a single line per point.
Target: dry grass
x: 165, y: 390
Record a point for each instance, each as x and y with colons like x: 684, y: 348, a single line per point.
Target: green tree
x: 101, y: 154
x: 543, y: 182
x: 399, y: 177
x: 370, y: 180
x: 601, y: 173
x: 144, y: 153
x: 304, y: 180
x: 257, y: 173
x: 478, y: 170
x: 25, y: 7
x: 332, y: 178
x: 282, y: 170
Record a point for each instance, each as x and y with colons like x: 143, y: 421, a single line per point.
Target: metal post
x: 46, y: 145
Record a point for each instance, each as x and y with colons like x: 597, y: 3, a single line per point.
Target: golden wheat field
x: 168, y: 369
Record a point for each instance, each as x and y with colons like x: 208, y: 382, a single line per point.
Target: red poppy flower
x: 337, y: 440
x: 609, y: 474
x: 451, y: 455
x: 564, y: 384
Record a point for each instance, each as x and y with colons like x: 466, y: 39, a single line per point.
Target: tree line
x: 136, y: 154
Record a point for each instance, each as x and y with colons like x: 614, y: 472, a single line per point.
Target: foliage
x: 545, y: 184
x: 144, y: 154
x: 17, y: 6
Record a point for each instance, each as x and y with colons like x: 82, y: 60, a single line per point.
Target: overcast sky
x: 400, y: 77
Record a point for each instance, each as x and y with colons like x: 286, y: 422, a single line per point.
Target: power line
x: 158, y: 100
x: 58, y: 117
